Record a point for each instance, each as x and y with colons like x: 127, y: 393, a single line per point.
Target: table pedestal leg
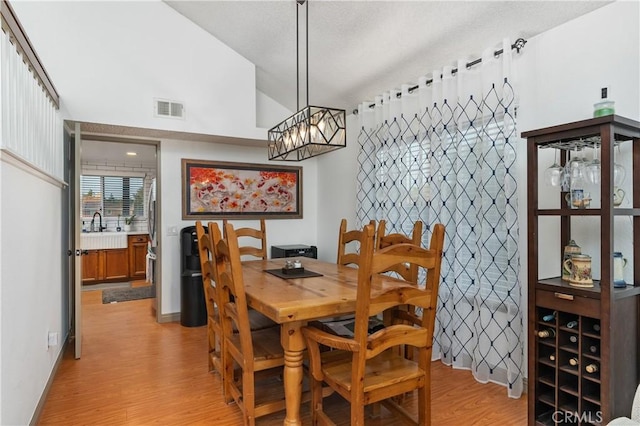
x: 293, y: 374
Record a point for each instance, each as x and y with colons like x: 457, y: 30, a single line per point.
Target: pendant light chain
x: 298, y: 4
x: 307, y: 44
x: 298, y: 56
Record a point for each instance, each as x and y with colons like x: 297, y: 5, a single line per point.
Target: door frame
x: 75, y: 295
x: 76, y: 219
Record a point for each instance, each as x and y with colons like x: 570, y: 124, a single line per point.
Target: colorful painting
x: 214, y: 189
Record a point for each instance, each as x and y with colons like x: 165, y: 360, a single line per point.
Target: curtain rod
x: 518, y: 44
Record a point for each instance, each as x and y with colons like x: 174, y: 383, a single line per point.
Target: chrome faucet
x: 93, y: 221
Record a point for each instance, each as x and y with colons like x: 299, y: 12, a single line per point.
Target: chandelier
x: 311, y: 131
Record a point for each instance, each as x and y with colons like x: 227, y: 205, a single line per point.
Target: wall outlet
x: 604, y: 93
x: 172, y: 231
x: 52, y: 339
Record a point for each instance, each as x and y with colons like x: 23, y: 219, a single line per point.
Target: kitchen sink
x: 103, y: 240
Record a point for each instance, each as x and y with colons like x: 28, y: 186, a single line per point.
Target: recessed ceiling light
x: 132, y: 154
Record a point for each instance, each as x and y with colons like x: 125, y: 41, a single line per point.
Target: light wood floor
x: 134, y: 371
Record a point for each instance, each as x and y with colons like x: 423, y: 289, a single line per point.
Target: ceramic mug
x: 618, y: 196
x: 577, y: 199
x: 569, y: 250
x: 580, y: 267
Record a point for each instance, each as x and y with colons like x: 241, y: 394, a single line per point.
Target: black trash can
x: 193, y: 309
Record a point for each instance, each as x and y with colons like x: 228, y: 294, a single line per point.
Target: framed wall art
x: 224, y: 190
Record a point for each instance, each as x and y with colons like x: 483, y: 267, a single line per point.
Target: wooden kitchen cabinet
x: 105, y: 265
x: 115, y: 264
x: 90, y: 266
x: 137, y: 256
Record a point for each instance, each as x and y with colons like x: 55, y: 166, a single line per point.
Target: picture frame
x: 228, y: 190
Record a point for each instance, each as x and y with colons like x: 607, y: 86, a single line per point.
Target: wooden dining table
x: 293, y: 302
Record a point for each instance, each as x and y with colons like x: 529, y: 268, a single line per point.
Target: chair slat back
x: 214, y: 328
x: 204, y: 251
x: 374, y: 262
x: 253, y: 234
x: 344, y: 238
x: 406, y: 271
x: 230, y: 282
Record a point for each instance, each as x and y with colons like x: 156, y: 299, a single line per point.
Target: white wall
x: 337, y: 184
x: 31, y: 288
x: 279, y: 231
x: 109, y: 60
x: 560, y: 75
x: 269, y: 112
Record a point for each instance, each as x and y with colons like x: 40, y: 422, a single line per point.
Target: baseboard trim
x: 52, y: 376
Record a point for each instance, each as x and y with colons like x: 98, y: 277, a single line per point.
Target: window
x: 480, y: 202
x: 111, y: 195
x: 402, y: 180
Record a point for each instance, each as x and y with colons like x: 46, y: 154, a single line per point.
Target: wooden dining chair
x: 385, y: 240
x: 406, y: 271
x: 253, y: 235
x: 346, y: 237
x: 214, y: 328
x: 247, y: 353
x: 348, y: 254
x: 250, y: 237
x: 369, y: 370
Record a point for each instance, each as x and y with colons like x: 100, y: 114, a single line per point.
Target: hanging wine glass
x: 576, y: 170
x: 566, y: 173
x: 618, y: 172
x: 594, y: 168
x: 553, y: 175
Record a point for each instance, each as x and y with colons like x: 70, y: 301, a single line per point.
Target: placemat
x: 306, y: 274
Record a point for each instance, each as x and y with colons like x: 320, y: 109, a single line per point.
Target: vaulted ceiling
x: 359, y: 49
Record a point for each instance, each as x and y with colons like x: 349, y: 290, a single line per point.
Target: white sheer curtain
x: 444, y: 153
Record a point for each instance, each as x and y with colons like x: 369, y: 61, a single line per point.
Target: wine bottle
x: 552, y: 357
x: 593, y: 349
x: 592, y: 368
x: 572, y: 324
x: 549, y: 332
x: 596, y: 326
x: 549, y: 317
x: 573, y: 361
x: 573, y: 339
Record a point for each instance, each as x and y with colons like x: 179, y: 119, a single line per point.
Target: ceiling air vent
x: 168, y: 109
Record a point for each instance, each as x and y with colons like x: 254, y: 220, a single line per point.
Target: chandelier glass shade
x: 312, y: 130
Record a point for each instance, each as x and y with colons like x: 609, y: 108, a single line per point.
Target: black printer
x: 294, y: 250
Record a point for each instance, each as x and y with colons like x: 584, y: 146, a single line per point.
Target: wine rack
x: 583, y: 344
x: 565, y: 389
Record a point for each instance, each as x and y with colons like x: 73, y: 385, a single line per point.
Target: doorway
x: 126, y: 162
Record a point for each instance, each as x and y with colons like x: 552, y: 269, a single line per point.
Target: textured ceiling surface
x: 359, y: 49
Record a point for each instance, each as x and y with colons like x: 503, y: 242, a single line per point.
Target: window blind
x: 112, y: 196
